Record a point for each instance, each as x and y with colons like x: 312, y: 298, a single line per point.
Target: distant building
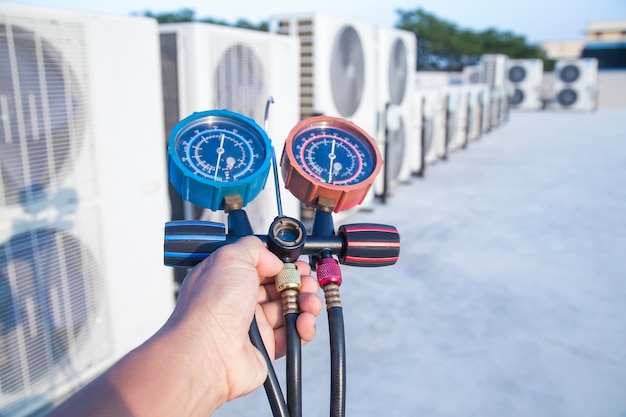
x: 604, y: 40
x: 563, y: 49
x: 606, y: 31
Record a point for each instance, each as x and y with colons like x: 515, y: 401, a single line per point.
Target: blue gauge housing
x: 216, y: 154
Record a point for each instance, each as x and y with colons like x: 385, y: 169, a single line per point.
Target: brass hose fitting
x: 288, y: 284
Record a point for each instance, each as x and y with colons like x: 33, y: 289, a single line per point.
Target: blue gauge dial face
x: 334, y: 155
x: 220, y: 149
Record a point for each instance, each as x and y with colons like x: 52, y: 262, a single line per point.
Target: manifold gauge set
x: 220, y: 160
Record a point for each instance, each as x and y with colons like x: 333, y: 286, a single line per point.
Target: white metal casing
x: 576, y: 84
x: 456, y: 103
x: 498, y: 97
x: 396, y: 71
x: 433, y: 116
x: 493, y: 70
x: 331, y: 86
x: 83, y: 198
x: 220, y: 67
x: 418, y: 161
x: 476, y: 110
x: 525, y: 78
x: 487, y: 109
x: 319, y: 34
x: 471, y: 74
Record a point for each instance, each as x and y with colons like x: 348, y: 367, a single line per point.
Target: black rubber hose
x: 272, y: 386
x: 337, y: 362
x: 294, y: 366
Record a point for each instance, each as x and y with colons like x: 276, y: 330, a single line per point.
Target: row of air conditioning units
x: 86, y: 104
x: 354, y: 70
x: 452, y: 116
x: 357, y: 71
x: 575, y: 85
x: 83, y: 199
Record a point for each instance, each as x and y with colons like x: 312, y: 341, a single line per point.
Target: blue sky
x: 537, y: 20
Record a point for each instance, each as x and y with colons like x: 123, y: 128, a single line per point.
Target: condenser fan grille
x: 569, y: 73
x: 42, y: 114
x: 517, y: 74
x: 567, y: 97
x: 239, y: 82
x: 347, y: 71
x: 398, y: 72
x: 48, y: 287
x: 53, y: 321
x: 518, y: 97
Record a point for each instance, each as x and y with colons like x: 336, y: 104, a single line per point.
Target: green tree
x: 442, y: 45
x: 189, y: 15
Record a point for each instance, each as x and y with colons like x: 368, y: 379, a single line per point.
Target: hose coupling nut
x: 288, y: 278
x: 328, y: 271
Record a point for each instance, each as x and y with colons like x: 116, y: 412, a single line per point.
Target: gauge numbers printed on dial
x: 333, y: 155
x: 220, y: 150
x: 217, y: 154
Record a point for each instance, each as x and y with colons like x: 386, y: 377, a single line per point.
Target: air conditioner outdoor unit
x: 455, y: 102
x: 418, y: 162
x: 433, y: 116
x: 576, y: 84
x: 471, y: 74
x: 83, y: 199
x: 485, y: 101
x: 396, y: 70
x: 338, y: 65
x: 208, y: 66
x: 499, y: 98
x: 475, y: 111
x: 493, y: 70
x: 525, y: 78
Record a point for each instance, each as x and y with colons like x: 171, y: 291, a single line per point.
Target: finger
x: 306, y: 326
x: 272, y: 313
x: 268, y: 292
x: 302, y: 267
x: 310, y: 303
x: 309, y: 285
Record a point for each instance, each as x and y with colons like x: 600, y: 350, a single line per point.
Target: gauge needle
x: 220, y: 151
x: 331, y: 157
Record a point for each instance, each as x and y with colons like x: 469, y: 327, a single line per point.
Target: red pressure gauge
x: 330, y: 157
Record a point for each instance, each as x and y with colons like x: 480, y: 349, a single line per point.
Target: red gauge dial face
x: 330, y: 157
x: 333, y: 155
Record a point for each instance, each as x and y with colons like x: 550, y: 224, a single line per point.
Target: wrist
x: 198, y: 373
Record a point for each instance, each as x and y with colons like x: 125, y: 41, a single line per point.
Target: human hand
x: 202, y: 357
x: 216, y: 305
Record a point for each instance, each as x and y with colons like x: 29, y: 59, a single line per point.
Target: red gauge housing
x: 330, y: 157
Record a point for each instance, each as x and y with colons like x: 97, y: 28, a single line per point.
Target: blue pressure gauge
x: 216, y: 154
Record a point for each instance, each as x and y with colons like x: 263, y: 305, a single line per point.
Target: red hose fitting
x: 328, y: 271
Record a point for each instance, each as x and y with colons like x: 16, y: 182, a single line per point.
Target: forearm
x: 159, y: 378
